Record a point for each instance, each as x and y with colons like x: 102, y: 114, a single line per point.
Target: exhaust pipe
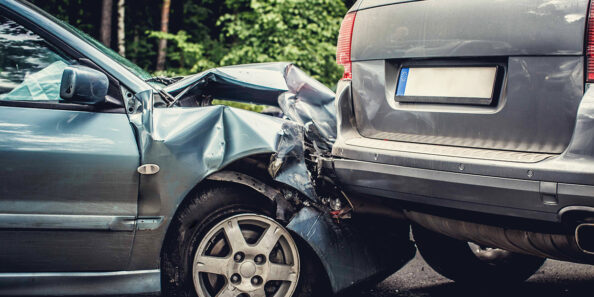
x: 560, y: 246
x: 584, y: 237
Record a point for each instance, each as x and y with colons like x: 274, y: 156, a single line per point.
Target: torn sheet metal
x: 189, y: 144
x: 283, y: 207
x: 353, y: 253
x: 302, y: 99
x: 311, y: 104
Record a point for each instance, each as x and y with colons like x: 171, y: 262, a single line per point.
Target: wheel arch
x: 239, y: 175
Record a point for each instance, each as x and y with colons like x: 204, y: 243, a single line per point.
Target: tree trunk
x: 134, y: 49
x: 164, y: 28
x: 121, y: 31
x: 106, y: 22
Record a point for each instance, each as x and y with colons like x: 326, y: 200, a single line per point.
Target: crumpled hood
x: 301, y: 98
x: 190, y: 143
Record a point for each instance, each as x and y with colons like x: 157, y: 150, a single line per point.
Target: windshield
x: 98, y: 45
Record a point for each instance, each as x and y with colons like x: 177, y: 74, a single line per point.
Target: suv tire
x: 456, y: 260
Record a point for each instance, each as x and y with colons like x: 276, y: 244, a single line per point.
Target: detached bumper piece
x: 353, y: 253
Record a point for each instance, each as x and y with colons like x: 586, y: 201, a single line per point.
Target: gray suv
x: 474, y: 120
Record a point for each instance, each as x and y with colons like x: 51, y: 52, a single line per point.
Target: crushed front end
x: 201, y: 141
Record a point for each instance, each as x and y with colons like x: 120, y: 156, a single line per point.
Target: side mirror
x: 83, y: 85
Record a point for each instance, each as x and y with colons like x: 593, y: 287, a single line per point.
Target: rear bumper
x: 526, y: 199
x: 529, y: 186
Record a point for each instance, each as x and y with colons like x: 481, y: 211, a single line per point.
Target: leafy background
x: 207, y: 33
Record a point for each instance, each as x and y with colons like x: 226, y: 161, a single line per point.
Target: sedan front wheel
x: 246, y: 255
x: 224, y: 242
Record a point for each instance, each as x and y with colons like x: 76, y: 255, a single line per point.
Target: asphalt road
x: 417, y: 279
x: 555, y: 278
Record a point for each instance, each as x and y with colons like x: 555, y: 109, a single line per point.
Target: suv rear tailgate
x: 457, y: 28
x: 536, y: 47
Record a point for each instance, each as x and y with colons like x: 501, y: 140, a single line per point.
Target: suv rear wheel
x: 472, y: 264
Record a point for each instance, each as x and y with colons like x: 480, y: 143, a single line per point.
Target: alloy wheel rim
x: 246, y: 255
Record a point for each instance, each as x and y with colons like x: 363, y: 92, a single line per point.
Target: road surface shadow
x: 417, y: 279
x: 567, y: 289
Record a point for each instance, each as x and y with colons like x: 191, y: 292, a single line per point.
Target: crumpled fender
x: 188, y: 144
x: 353, y: 253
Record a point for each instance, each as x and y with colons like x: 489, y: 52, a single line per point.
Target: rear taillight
x: 343, y: 48
x: 590, y: 46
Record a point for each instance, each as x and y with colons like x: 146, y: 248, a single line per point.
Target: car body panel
x: 542, y: 188
x: 81, y: 283
x: 543, y: 108
x: 54, y: 163
x: 261, y: 83
x: 356, y: 5
x: 457, y: 28
x: 366, y: 4
x: 301, y: 98
x: 188, y: 144
x: 537, y: 47
x: 541, y: 95
x: 350, y: 254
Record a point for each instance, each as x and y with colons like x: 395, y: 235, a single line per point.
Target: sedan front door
x: 68, y: 180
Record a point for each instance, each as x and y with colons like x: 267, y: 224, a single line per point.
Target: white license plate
x: 447, y: 82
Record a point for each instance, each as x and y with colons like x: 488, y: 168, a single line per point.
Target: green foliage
x: 246, y: 106
x: 257, y: 31
x: 189, y: 53
x: 300, y: 31
x: 209, y: 33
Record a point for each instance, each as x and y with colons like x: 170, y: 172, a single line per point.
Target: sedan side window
x: 30, y: 69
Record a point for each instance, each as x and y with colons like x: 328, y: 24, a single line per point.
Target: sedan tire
x: 224, y: 242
